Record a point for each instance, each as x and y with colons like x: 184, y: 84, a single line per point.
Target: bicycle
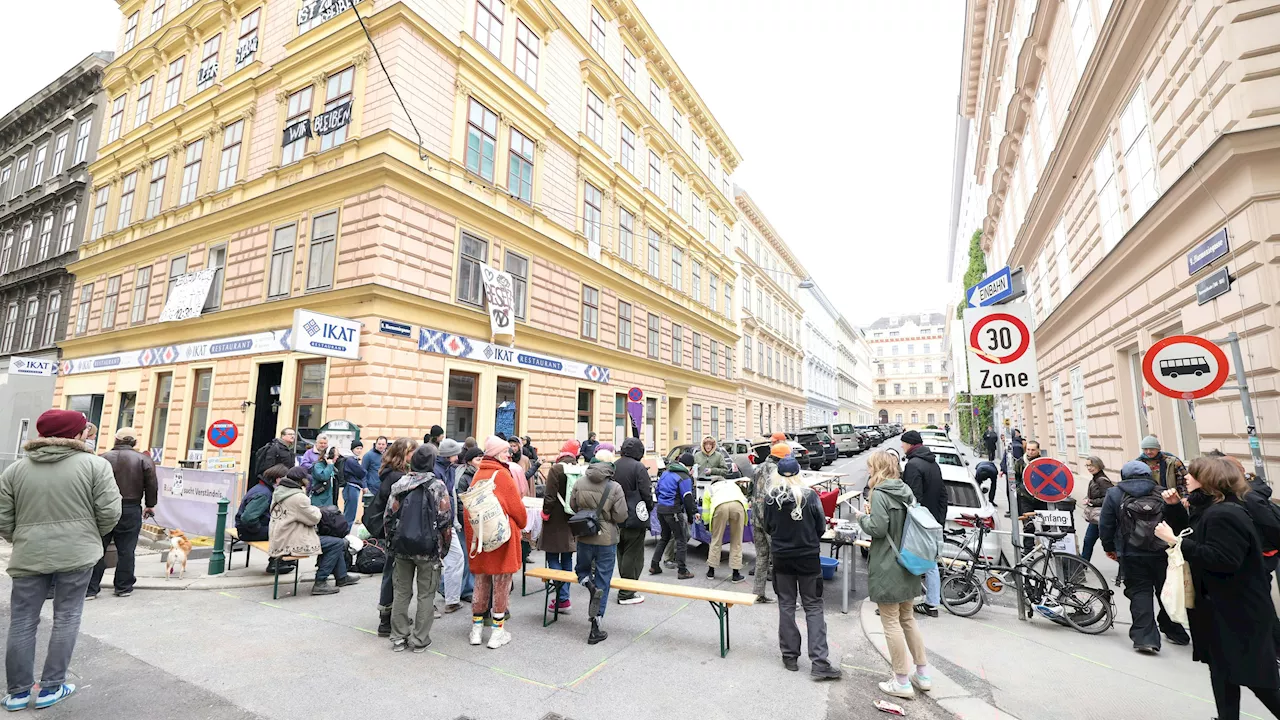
x: 1062, y: 587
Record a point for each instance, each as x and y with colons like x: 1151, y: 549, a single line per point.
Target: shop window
x: 127, y: 405
x: 650, y: 424
x: 310, y: 398
x: 322, y: 251
x: 584, y: 427
x: 281, y: 274
x: 621, y: 421
x: 202, y: 387
x: 507, y: 414
x: 460, y: 418
x: 474, y: 253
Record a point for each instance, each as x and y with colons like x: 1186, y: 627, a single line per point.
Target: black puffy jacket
x: 630, y: 472
x: 924, y: 477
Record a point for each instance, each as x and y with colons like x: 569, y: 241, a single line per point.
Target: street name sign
x: 1203, y: 255
x: 1214, y: 284
x: 1048, y: 480
x: 1000, y: 350
x: 994, y: 288
x: 1185, y: 367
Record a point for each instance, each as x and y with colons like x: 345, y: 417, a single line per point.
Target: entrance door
x: 266, y: 411
x: 884, y: 417
x: 675, y: 421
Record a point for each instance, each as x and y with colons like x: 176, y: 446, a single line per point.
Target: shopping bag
x: 1177, y: 594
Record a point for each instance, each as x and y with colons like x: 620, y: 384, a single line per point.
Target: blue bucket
x: 829, y: 565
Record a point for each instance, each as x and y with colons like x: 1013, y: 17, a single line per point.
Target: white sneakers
x: 498, y: 638
x: 922, y: 682
x: 891, y: 687
x: 633, y: 600
x: 476, y: 632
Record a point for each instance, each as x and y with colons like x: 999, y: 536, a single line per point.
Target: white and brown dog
x: 179, y: 549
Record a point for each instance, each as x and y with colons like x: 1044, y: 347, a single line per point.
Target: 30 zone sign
x: 1000, y: 349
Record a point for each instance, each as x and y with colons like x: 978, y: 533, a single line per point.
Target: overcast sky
x: 843, y: 110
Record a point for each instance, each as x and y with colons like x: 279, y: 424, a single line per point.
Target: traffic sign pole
x: 1015, y: 535
x: 1242, y: 384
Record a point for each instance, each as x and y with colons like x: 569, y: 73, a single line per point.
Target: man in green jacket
x: 56, y: 503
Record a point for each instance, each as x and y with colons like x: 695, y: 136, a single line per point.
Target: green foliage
x: 971, y: 428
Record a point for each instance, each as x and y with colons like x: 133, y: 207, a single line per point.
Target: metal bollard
x: 218, y: 560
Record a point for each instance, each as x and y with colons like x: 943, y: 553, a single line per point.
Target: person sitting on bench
x: 293, y: 533
x: 254, y: 516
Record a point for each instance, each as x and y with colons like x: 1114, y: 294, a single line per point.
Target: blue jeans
x: 350, y: 501
x: 933, y: 587
x: 1090, y: 538
x: 26, y: 598
x: 561, y: 561
x: 603, y: 558
x: 333, y: 559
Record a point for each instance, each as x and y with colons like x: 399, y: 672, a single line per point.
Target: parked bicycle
x: 1062, y: 587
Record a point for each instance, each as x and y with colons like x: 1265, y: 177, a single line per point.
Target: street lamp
x: 807, y: 284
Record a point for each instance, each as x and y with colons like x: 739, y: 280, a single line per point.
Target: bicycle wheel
x: 1084, y: 595
x: 962, y: 594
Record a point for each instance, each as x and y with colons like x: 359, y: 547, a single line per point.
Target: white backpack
x: 490, y: 527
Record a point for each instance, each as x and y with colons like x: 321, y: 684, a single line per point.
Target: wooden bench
x: 264, y: 547
x: 720, y: 600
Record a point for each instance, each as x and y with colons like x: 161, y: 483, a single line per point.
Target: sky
x: 843, y: 111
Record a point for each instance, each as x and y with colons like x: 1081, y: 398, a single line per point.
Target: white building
x: 820, y: 342
x: 853, y: 375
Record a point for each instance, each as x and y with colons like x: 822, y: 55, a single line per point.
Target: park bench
x: 264, y: 547
x: 720, y: 600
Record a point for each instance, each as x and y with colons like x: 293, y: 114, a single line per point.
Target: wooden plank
x: 653, y: 588
x: 848, y: 496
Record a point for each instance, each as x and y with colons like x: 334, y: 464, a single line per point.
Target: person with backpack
x: 676, y: 511
x: 494, y: 567
x: 319, y: 463
x: 253, y: 516
x: 1099, y: 484
x: 794, y: 518
x: 599, y: 506
x: 453, y: 575
x: 637, y: 487
x: 419, y: 528
x: 924, y: 477
x: 395, y: 463
x: 1230, y: 612
x: 1126, y: 526
x: 293, y: 532
x: 279, y: 451
x: 556, y: 541
x: 891, y: 586
x: 765, y: 471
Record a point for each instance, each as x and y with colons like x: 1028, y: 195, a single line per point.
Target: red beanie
x: 61, y: 423
x: 570, y: 447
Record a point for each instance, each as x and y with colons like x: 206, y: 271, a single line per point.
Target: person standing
x: 637, y: 488
x: 760, y: 532
x: 395, y: 463
x: 588, y: 448
x: 924, y: 477
x: 1099, y: 484
x: 1166, y: 469
x: 724, y: 506
x: 676, y: 511
x: 136, y: 478
x: 494, y: 569
x: 315, y: 453
x: 419, y: 540
x: 597, y: 554
x: 1130, y: 512
x: 989, y: 439
x: 434, y: 436
x: 451, y: 581
x: 323, y: 474
x: 371, y: 462
x: 279, y: 451
x: 793, y: 516
x: 1232, y: 615
x: 56, y: 504
x: 710, y: 461
x: 556, y: 541
x: 1027, y: 503
x: 889, y: 585
x: 353, y: 480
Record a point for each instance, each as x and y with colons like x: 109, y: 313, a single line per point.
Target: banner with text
x: 499, y: 288
x: 187, y: 294
x: 460, y: 346
x: 256, y: 344
x: 189, y: 499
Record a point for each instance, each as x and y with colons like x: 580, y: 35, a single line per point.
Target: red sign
x: 1048, y: 480
x: 222, y: 433
x: 1185, y: 367
x: 1019, y: 348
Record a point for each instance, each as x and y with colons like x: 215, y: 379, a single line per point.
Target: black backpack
x: 371, y: 559
x: 586, y: 523
x: 332, y: 523
x: 413, y: 529
x: 1138, y: 517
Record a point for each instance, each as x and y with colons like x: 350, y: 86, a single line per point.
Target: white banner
x: 256, y: 344
x: 187, y: 294
x: 500, y: 288
x: 460, y: 346
x: 19, y: 365
x: 189, y: 499
x: 326, y: 335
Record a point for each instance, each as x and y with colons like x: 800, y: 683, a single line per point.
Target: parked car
x: 831, y: 452
x: 874, y: 432
x: 761, y: 450
x: 813, y: 443
x: 845, y: 437
x: 679, y: 450
x: 934, y: 434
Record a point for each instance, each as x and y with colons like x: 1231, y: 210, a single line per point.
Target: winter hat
x: 424, y: 458
x: 1150, y: 442
x: 61, y: 423
x: 1135, y: 469
x: 354, y: 445
x: 606, y: 447
x: 607, y: 456
x: 496, y: 448
x: 911, y: 437
x: 686, y: 459
x: 777, y: 437
x: 571, y: 447
x: 450, y: 447
x: 780, y: 450
x: 788, y: 467
x: 471, y: 454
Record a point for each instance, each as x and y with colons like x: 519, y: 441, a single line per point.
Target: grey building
x: 46, y: 146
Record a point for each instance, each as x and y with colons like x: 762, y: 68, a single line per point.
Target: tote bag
x: 1178, y: 594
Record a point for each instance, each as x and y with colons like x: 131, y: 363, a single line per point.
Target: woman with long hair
x: 889, y: 585
x: 1099, y: 484
x: 1231, y: 614
x: 395, y: 463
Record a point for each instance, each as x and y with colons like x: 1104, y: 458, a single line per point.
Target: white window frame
x: 654, y: 260
x: 339, y: 90
x: 627, y: 147
x: 595, y: 118
x: 626, y: 234
x: 142, y: 108
x: 1108, y: 196
x: 528, y: 45
x: 489, y: 24
x: 1083, y: 35
x: 37, y: 167
x: 247, y: 44
x: 59, y: 152
x: 592, y: 209
x: 155, y: 186
x: 173, y: 84
x: 1079, y: 412
x: 157, y: 15
x: 141, y: 295
x: 625, y: 312
x: 210, y: 51
x: 66, y: 235
x: 124, y: 211
x: 596, y: 34
x: 298, y: 108
x: 99, y: 226
x: 82, y: 141
x: 46, y: 237
x: 229, y: 162
x: 53, y: 309
x: 194, y: 159
x: 110, y: 303
x: 677, y: 268
x: 131, y: 32
x: 1142, y: 182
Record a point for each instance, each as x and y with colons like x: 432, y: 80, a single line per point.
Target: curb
x: 949, y: 694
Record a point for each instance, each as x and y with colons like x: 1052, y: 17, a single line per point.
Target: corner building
x: 262, y: 142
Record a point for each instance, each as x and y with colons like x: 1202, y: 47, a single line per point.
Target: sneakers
x: 826, y: 672
x: 14, y: 703
x: 670, y: 564
x: 90, y: 596
x: 737, y: 576
x: 1052, y: 612
x: 684, y: 574
x: 711, y: 573
x: 349, y: 579
x: 926, y: 609
x: 323, y: 588
x: 419, y: 649
x: 1147, y: 649
x: 498, y: 638
x: 435, y: 614
x: 399, y: 645
x: 891, y: 687
x: 477, y: 631
x: 452, y: 607
x: 763, y: 599
x: 790, y: 664
x: 655, y: 570
x: 923, y: 683
x: 633, y: 600
x: 563, y: 605
x: 596, y: 635
x: 123, y: 593
x: 53, y: 696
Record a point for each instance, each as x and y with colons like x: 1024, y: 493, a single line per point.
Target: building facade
x: 1106, y: 141
x: 913, y: 385
x: 46, y: 146
x: 821, y: 356
x: 257, y: 149
x: 854, y: 375
x: 770, y: 319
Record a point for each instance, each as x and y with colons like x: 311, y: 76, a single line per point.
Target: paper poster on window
x: 499, y: 288
x: 187, y: 294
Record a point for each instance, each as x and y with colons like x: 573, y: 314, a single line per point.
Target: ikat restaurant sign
x: 325, y: 10
x: 326, y: 335
x: 256, y: 344
x: 459, y: 346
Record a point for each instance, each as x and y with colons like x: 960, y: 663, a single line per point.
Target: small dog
x: 179, y: 549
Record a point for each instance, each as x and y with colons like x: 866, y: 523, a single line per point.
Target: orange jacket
x: 506, y: 559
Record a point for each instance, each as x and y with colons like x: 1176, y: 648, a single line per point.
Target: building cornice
x: 975, y: 24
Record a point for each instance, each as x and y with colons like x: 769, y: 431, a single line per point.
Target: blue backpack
x: 921, y: 541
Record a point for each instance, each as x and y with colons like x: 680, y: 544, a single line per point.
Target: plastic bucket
x: 829, y: 565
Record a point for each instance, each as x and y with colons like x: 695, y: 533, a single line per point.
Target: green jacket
x: 887, y: 581
x: 710, y: 464
x: 55, y: 505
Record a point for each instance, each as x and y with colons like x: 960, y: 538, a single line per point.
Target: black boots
x: 596, y: 635
x: 384, y: 622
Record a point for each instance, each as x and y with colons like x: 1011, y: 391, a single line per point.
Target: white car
x: 966, y: 499
x: 926, y: 434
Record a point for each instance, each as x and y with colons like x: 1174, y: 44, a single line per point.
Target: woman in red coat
x: 493, y: 570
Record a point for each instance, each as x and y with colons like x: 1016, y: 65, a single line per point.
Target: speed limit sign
x: 1000, y: 349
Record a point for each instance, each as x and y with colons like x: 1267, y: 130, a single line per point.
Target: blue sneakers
x: 14, y: 703
x: 53, y: 696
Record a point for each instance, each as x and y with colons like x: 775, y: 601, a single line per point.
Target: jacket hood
x: 922, y: 452
x: 632, y: 448
x: 896, y: 489
x: 51, y: 450
x: 704, y: 442
x: 424, y: 458
x: 677, y: 467
x: 1135, y: 469
x: 1137, y: 486
x: 599, y: 473
x: 284, y: 490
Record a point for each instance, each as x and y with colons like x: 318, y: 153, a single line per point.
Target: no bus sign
x: 1185, y: 367
x: 1000, y: 350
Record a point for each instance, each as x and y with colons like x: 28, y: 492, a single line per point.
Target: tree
x: 972, y: 426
